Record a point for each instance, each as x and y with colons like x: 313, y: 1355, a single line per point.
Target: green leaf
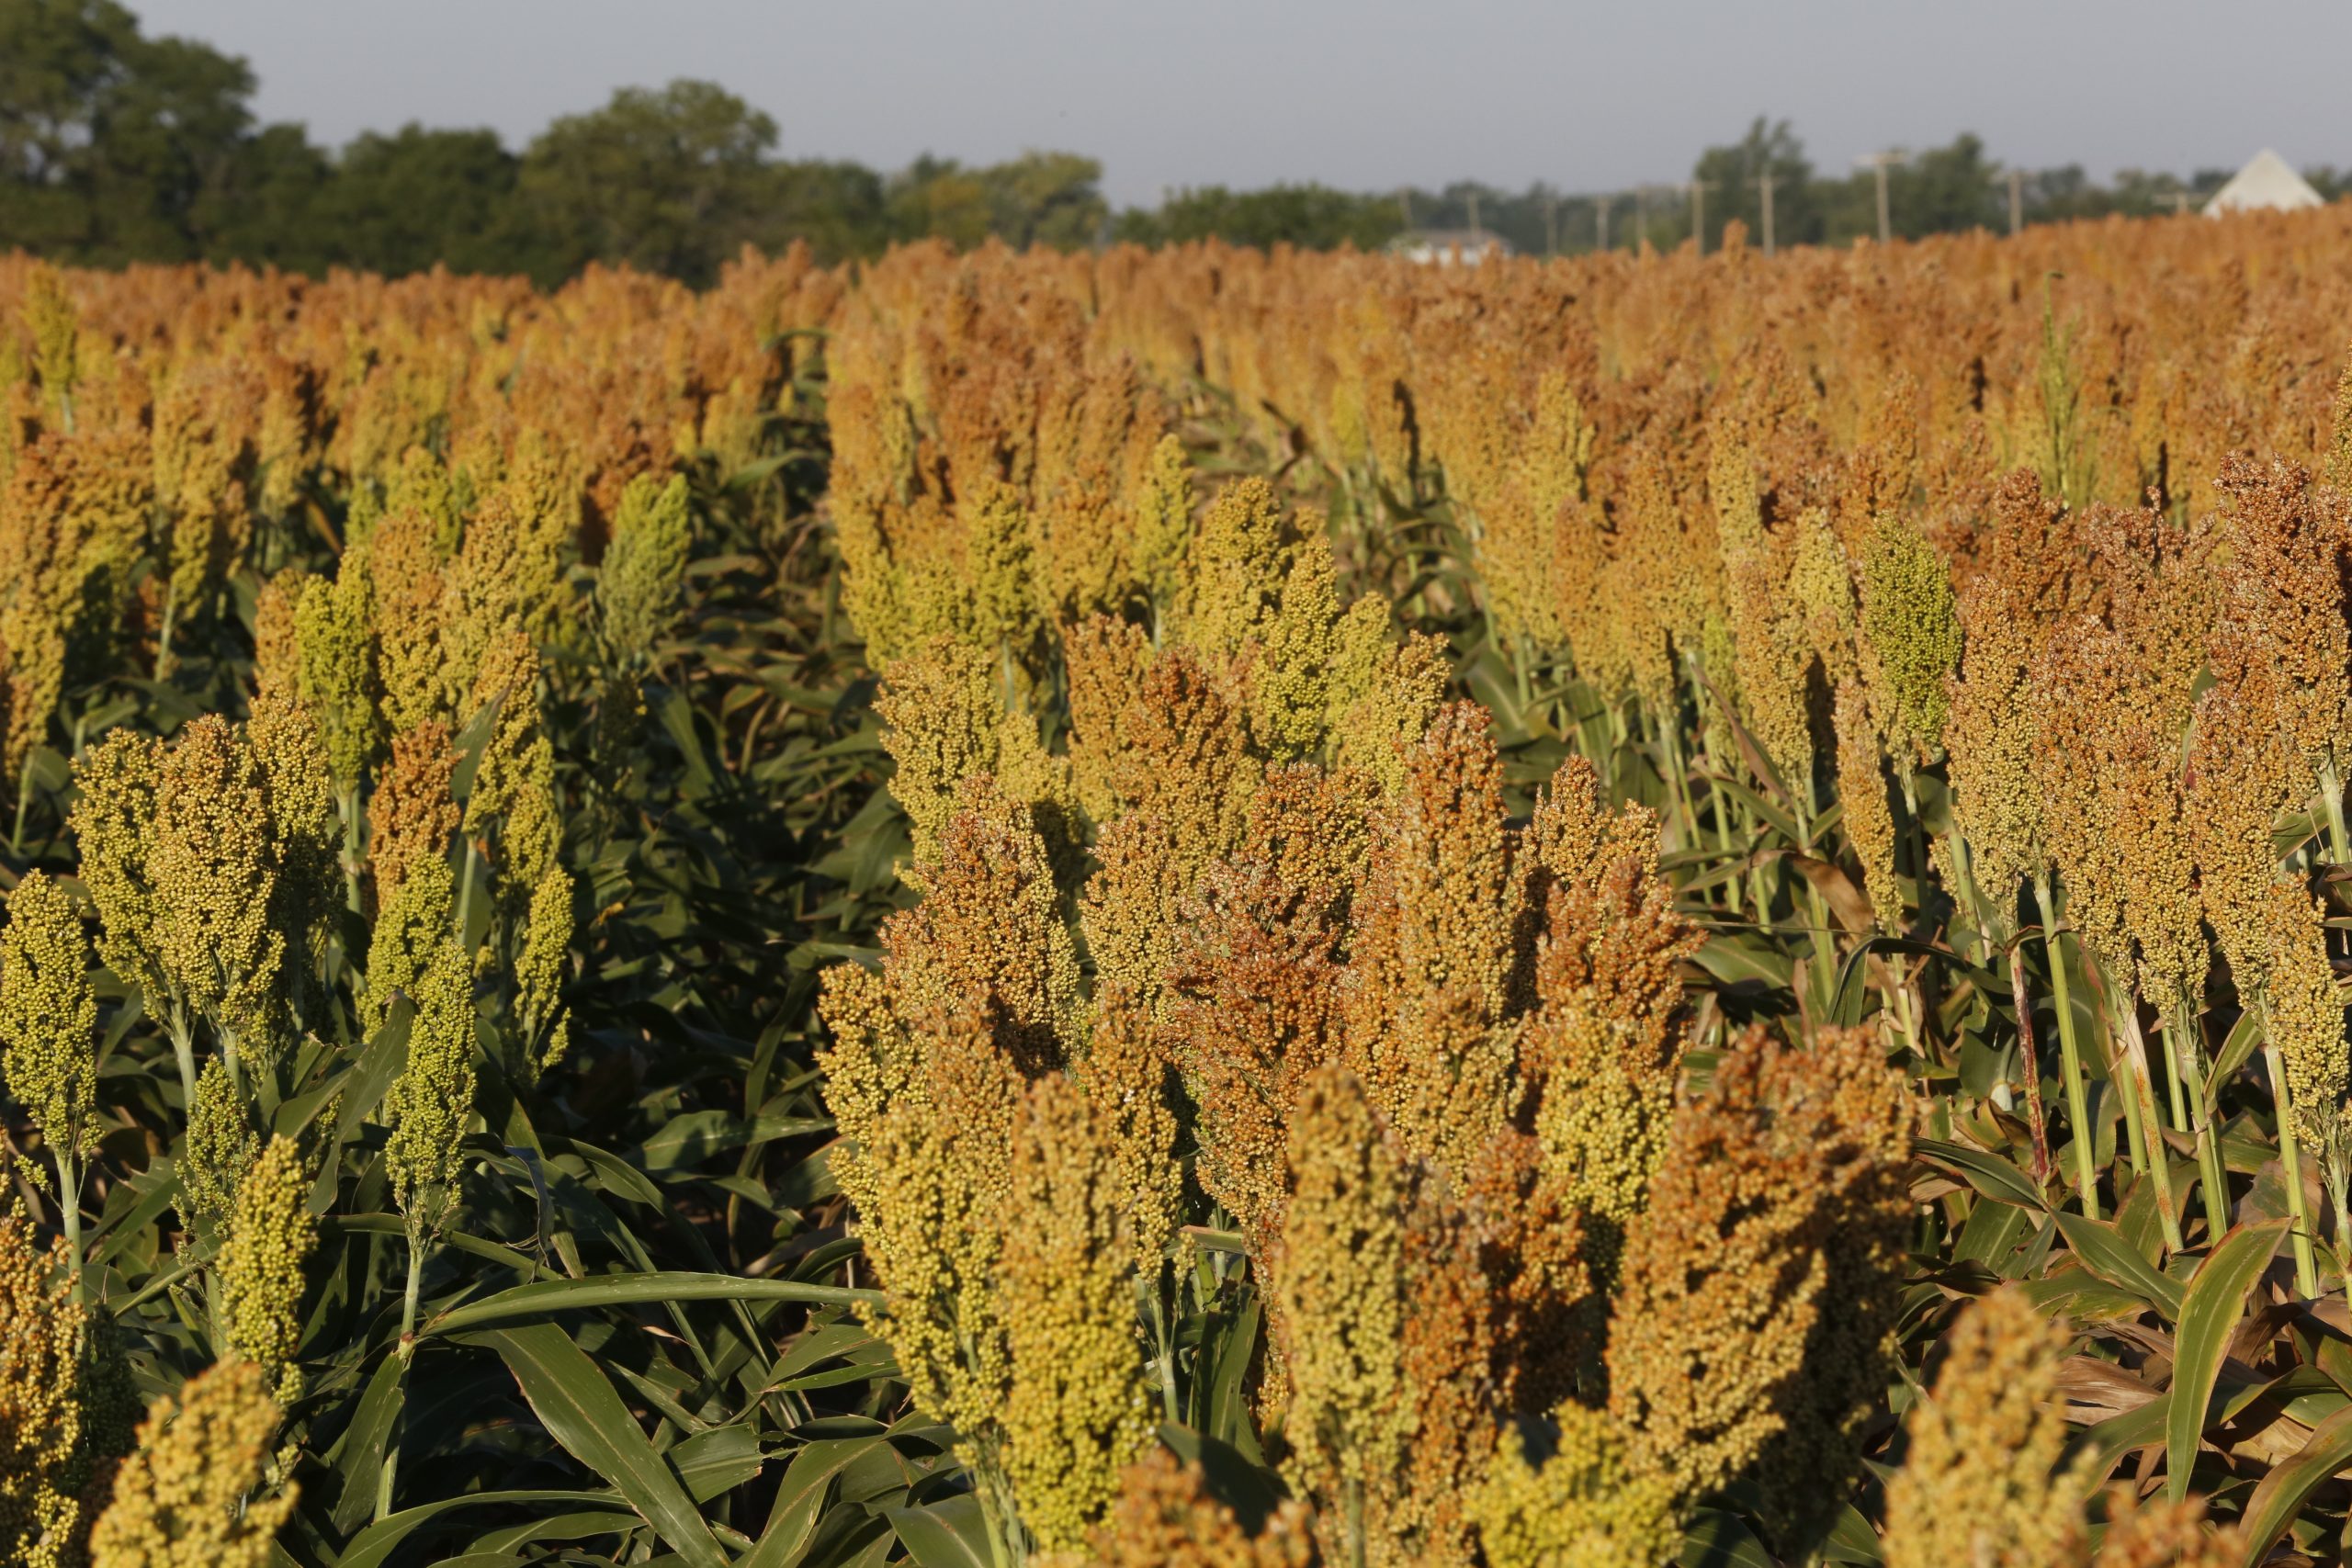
x: 2107, y: 1255
x: 372, y: 1547
x: 548, y: 1296
x: 577, y: 1405
x: 1252, y: 1493
x: 1989, y: 1174
x: 2282, y: 1494
x: 952, y: 1533
x: 1717, y: 1540
x: 2207, y: 1317
x: 361, y: 1457
x: 717, y: 1461
x: 801, y: 1498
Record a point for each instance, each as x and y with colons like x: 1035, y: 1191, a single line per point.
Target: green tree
x: 115, y: 147
x: 673, y: 181
x: 404, y: 202
x: 840, y: 208
x: 1039, y: 199
x: 1736, y: 173
x: 1312, y: 217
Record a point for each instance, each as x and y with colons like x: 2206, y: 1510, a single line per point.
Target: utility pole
x: 1699, y: 189
x: 1764, y: 185
x: 1881, y: 163
x: 2017, y: 200
x: 1473, y: 212
x: 2180, y: 199
x: 1642, y: 217
x: 1551, y: 222
x: 1600, y: 204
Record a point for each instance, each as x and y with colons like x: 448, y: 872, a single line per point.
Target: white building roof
x: 2265, y: 185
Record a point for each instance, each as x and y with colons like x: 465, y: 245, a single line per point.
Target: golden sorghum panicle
x: 271, y: 1234
x: 277, y: 651
x: 412, y: 814
x: 1910, y: 637
x: 408, y: 569
x: 1291, y: 659
x: 1339, y: 1291
x: 2303, y: 1011
x: 997, y: 610
x: 539, y: 971
x: 1187, y: 777
x: 221, y: 1148
x: 989, y: 935
x: 1427, y: 983
x: 1772, y: 650
x: 1104, y: 662
x: 201, y: 440
x: 1980, y: 1485
x: 507, y: 683
x: 114, y: 820
x: 1253, y: 1007
x: 335, y: 629
x: 1253, y: 998
x: 1128, y: 1080
x: 930, y: 1162
x: 55, y: 325
x: 65, y: 1406
x: 2159, y: 1533
x: 1076, y: 1414
x: 1990, y: 737
x: 1585, y: 1505
x: 184, y: 1499
x: 1822, y: 584
x: 2284, y: 614
x: 408, y: 934
x: 1165, y: 1517
x: 948, y: 722
x: 1161, y: 500
x: 48, y: 1018
x: 1726, y: 1317
x: 214, y: 875
x: 1853, y: 1115
x: 2241, y: 774
x: 430, y: 1103
x: 2117, y: 819
x: 306, y: 837
x: 1606, y: 1038
x: 2337, y: 469
x: 1401, y: 690
x: 73, y: 522
x: 1868, y: 818
x: 1234, y: 572
x: 644, y: 565
x: 1448, y: 1356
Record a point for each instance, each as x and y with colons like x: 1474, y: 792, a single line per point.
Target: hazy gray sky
x: 1357, y: 92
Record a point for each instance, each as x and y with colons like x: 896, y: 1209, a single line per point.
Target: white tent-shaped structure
x: 2265, y: 185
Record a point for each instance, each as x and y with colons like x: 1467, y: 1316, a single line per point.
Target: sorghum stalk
x: 2189, y: 1053
x: 2331, y: 792
x: 2070, y: 1055
x: 2291, y: 1166
x: 2030, y: 1059
x: 2136, y: 1064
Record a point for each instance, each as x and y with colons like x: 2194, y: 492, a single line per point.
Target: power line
x: 1881, y: 163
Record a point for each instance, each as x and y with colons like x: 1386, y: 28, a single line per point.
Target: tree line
x: 117, y: 147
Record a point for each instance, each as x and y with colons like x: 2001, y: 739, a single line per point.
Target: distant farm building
x: 1449, y: 247
x: 2265, y: 185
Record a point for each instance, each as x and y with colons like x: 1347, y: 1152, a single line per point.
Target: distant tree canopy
x: 116, y: 147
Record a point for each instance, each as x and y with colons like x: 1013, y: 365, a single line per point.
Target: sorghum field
x: 1184, y: 907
